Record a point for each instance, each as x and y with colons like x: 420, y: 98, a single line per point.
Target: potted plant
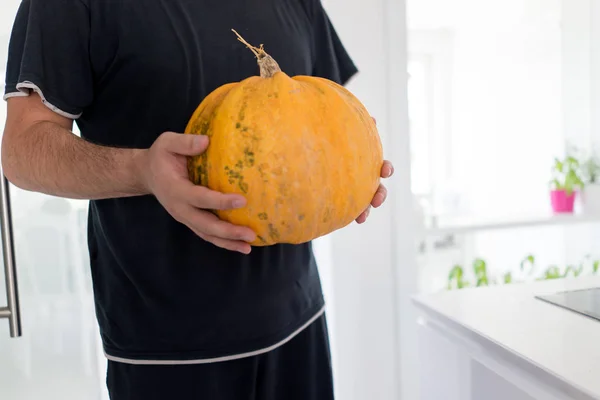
x: 590, y: 195
x: 566, y: 179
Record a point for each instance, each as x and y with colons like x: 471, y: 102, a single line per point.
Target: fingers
x: 387, y: 169
x: 187, y: 202
x: 379, y: 197
x: 378, y: 200
x: 220, y: 233
x: 362, y: 218
x: 209, y: 224
x: 212, y: 229
x: 202, y: 197
x: 184, y: 144
x: 231, y: 245
x: 205, y: 223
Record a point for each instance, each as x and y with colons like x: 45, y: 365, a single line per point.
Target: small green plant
x: 457, y: 279
x: 481, y: 272
x: 528, y: 260
x: 552, y: 272
x: 457, y: 276
x: 566, y: 174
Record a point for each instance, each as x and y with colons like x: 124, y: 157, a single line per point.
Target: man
x: 186, y: 309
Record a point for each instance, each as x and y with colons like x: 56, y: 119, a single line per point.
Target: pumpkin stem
x: 268, y: 65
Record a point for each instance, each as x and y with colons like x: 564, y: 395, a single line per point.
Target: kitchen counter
x: 501, y: 343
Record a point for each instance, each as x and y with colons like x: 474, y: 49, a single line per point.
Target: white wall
x: 373, y: 317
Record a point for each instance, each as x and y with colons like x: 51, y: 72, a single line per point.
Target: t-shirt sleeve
x: 48, y: 53
x: 332, y: 61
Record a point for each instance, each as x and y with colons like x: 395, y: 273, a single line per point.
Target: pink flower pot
x: 561, y: 202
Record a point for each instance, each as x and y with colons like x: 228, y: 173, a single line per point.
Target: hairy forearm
x: 52, y: 160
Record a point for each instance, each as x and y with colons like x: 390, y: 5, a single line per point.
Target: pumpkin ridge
x: 375, y: 146
x: 199, y: 124
x: 358, y: 110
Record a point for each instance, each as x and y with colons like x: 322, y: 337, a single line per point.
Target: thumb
x: 185, y: 144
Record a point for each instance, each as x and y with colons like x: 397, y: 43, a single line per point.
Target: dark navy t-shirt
x: 128, y: 70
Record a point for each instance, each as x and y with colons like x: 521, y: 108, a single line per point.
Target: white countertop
x: 560, y: 342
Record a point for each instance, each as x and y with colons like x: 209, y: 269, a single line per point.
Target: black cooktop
x: 583, y: 301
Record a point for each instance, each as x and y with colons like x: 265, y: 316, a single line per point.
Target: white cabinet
x: 504, y: 344
x: 451, y: 370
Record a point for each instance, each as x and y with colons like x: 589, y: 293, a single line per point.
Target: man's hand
x: 387, y: 170
x: 163, y: 169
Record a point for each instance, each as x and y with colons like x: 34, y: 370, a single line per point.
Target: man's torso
x: 162, y: 293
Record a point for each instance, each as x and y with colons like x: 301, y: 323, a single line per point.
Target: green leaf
x: 480, y: 268
x: 456, y: 273
x: 566, y: 174
x: 530, y: 259
x: 552, y: 272
x: 482, y: 281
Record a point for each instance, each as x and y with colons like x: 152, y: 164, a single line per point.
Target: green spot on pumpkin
x: 242, y: 112
x: 248, y: 157
x: 235, y: 175
x: 273, y: 232
x: 204, y: 128
x: 199, y: 173
x: 301, y: 217
x: 261, y: 239
x: 263, y: 216
x: 198, y: 170
x: 238, y: 125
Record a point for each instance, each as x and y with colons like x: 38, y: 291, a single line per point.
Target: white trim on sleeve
x: 15, y: 94
x: 24, y: 89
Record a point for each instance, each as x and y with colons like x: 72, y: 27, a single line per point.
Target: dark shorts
x: 298, y: 370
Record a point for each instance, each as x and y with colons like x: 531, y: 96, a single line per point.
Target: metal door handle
x: 12, y: 311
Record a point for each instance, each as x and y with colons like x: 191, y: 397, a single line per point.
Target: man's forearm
x: 52, y: 160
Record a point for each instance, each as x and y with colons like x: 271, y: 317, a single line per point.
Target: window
x: 429, y: 102
x: 420, y: 113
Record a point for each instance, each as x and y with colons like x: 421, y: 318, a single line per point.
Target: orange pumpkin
x: 303, y: 150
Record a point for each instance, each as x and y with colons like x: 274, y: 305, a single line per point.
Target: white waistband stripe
x: 218, y: 359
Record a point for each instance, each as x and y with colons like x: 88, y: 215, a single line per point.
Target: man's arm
x: 41, y: 154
